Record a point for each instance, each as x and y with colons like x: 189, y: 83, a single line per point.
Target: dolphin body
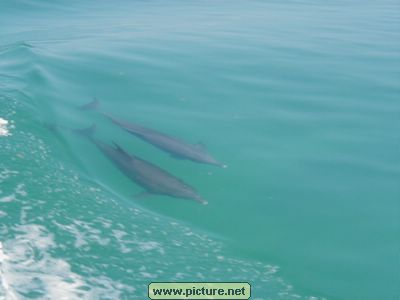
x: 153, y: 179
x: 175, y: 147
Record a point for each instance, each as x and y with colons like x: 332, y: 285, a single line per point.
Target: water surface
x: 298, y: 98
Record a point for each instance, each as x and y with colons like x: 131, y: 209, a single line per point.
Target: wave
x: 67, y: 238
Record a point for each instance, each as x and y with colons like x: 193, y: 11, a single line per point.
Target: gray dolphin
x: 175, y: 147
x: 152, y: 178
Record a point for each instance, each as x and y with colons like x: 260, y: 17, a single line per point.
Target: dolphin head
x: 202, y: 156
x: 200, y: 200
x: 208, y: 159
x: 188, y: 192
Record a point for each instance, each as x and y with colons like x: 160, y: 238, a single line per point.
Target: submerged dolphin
x: 152, y: 178
x: 175, y: 147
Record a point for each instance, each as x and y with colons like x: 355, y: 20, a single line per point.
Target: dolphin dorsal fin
x: 120, y: 149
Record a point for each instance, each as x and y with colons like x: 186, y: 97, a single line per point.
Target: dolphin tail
x: 55, y: 127
x: 93, y: 105
x: 52, y: 126
x: 86, y: 132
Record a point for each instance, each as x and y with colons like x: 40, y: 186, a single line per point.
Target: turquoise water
x: 299, y: 98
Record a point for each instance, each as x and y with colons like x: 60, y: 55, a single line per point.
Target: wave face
x: 63, y: 237
x: 299, y: 98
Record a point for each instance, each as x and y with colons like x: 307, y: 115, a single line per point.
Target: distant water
x: 299, y: 98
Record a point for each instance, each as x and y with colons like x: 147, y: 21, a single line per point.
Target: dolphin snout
x: 201, y: 200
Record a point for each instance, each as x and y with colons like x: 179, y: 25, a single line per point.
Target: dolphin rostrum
x: 175, y: 147
x: 153, y: 179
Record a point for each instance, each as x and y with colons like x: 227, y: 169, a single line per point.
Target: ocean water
x: 299, y: 98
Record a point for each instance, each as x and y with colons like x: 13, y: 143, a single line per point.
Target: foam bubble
x: 8, y: 198
x: 3, y: 127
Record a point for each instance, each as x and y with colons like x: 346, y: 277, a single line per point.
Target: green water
x: 299, y: 98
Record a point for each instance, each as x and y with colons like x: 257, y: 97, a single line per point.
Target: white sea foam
x: 8, y: 198
x: 5, y: 174
x: 6, y: 292
x: 3, y: 127
x: 27, y: 265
